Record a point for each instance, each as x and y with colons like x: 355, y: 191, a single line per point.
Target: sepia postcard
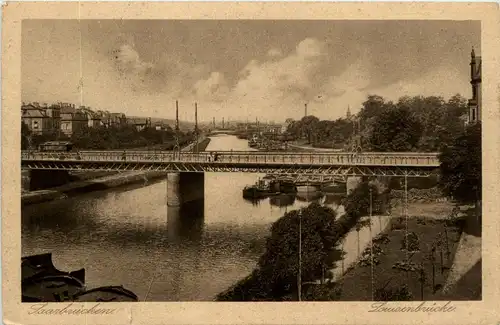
x: 250, y: 163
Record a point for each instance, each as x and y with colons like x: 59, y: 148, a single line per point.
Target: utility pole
x: 196, y: 125
x: 406, y: 226
x: 371, y: 246
x: 177, y: 145
x: 299, y: 277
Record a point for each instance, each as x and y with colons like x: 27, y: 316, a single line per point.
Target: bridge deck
x: 254, y: 158
x: 340, y: 164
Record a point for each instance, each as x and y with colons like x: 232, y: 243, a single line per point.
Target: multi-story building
x: 36, y: 118
x: 475, y: 101
x: 140, y: 123
x: 118, y: 119
x: 54, y: 113
x: 93, y: 118
x: 73, y: 122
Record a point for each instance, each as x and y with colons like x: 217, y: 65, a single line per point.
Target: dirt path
x: 468, y: 255
x: 350, y: 246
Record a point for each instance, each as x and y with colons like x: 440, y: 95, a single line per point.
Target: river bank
x: 89, y: 185
x: 90, y: 181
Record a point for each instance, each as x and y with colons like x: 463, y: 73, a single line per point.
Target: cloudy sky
x: 242, y: 69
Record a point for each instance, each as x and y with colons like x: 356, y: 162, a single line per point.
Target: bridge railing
x: 239, y: 157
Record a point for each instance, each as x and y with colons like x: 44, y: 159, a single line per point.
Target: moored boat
x: 42, y: 281
x: 333, y: 187
x: 263, y: 188
x: 307, y: 188
x: 107, y: 294
x: 254, y: 192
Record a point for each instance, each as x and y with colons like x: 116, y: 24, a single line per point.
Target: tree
x: 357, y: 203
x: 26, y: 137
x: 280, y: 261
x: 396, y: 130
x: 275, y: 279
x: 460, y: 166
x: 373, y: 107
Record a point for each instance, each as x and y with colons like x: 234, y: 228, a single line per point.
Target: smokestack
x: 223, y: 123
x: 195, y: 116
x: 305, y: 110
x: 176, y: 115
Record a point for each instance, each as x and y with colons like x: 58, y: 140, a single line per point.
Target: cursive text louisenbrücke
x: 424, y: 307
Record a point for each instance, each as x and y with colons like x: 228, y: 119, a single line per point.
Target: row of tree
x: 275, y: 278
x: 115, y: 137
x: 411, y: 124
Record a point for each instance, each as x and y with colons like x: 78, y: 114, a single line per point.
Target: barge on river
x: 268, y: 186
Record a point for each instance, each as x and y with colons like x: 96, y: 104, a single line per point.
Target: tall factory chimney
x: 176, y: 115
x: 195, y: 117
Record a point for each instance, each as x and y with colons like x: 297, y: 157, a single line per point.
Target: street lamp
x: 299, y: 277
x: 371, y: 243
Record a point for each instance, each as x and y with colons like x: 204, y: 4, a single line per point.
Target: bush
x: 321, y: 292
x: 405, y: 266
x: 393, y: 294
x: 357, y: 203
x: 397, y: 223
x: 381, y: 239
x: 413, y: 244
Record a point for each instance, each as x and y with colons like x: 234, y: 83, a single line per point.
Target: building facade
x: 73, y: 122
x: 36, y: 119
x: 475, y: 102
x: 140, y: 123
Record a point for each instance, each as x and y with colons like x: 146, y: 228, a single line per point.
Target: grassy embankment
x: 439, y: 237
x: 434, y: 255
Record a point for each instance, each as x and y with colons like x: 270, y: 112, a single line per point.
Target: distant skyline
x: 240, y: 69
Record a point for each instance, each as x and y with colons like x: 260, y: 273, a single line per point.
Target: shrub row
x: 417, y: 195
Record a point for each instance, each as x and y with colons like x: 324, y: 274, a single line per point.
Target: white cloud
x: 214, y: 88
x: 129, y: 61
x: 275, y: 87
x: 274, y: 52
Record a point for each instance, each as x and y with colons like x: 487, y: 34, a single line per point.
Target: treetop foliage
x: 461, y: 166
x: 415, y: 123
x: 102, y: 138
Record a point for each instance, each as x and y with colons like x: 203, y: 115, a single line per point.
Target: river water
x: 129, y: 237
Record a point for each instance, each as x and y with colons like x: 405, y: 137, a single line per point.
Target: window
x: 35, y: 124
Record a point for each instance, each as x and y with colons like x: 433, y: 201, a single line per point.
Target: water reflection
x: 186, y: 222
x: 315, y: 196
x: 282, y: 200
x: 129, y: 236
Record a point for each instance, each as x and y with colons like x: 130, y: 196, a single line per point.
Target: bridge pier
x: 183, y: 188
x: 40, y: 179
